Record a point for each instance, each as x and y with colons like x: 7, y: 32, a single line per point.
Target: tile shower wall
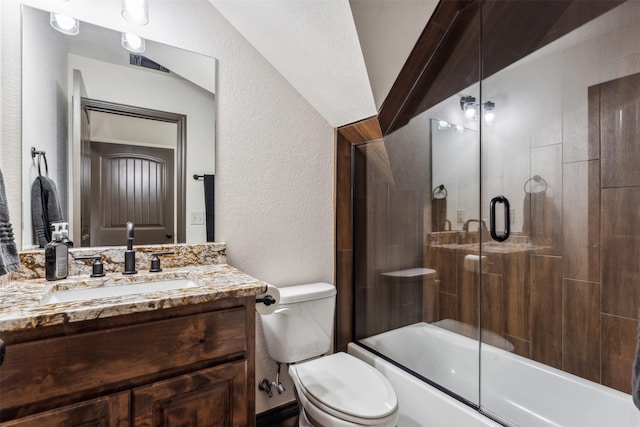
x: 388, y: 225
x: 579, y: 113
x: 568, y: 116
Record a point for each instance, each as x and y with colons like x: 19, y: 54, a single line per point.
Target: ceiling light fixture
x: 133, y: 43
x: 136, y: 11
x: 64, y: 24
x: 471, y: 109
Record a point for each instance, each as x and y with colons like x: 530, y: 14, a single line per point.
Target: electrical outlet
x: 197, y: 218
x: 460, y: 216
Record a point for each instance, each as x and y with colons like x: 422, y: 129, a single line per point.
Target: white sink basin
x: 84, y: 294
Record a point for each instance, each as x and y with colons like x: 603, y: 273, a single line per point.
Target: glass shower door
x: 562, y: 148
x: 418, y: 226
x: 417, y: 214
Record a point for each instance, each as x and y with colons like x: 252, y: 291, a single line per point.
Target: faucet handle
x: 97, y: 269
x: 155, y: 261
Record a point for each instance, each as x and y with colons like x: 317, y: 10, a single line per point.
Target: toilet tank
x: 302, y: 325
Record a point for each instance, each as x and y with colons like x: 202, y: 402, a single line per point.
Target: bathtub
x: 515, y: 390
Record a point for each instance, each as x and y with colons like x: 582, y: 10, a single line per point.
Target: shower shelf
x: 411, y: 272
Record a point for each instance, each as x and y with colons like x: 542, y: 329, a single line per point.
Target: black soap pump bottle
x: 56, y: 256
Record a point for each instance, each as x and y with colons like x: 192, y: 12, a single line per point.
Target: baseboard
x: 275, y: 416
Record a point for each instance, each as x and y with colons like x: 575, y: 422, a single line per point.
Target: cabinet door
x: 210, y: 397
x: 107, y: 411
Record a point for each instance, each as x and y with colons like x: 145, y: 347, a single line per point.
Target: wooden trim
x: 346, y: 136
x: 278, y: 416
x: 362, y: 131
x: 451, y: 53
x: 420, y: 57
x: 180, y: 120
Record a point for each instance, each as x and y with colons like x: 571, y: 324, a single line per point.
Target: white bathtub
x: 513, y: 389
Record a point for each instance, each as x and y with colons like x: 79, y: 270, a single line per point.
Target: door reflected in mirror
x: 61, y: 75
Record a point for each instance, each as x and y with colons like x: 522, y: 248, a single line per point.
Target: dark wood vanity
x: 185, y: 366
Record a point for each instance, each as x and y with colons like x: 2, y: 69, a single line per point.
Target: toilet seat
x: 347, y: 388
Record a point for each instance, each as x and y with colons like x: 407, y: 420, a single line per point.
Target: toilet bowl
x: 336, y: 390
x: 341, y: 390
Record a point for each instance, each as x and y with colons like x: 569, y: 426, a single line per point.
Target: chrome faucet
x: 129, y: 254
x: 480, y: 222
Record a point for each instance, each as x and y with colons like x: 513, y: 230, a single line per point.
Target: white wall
x: 314, y: 45
x: 274, y: 152
x: 387, y: 32
x: 45, y: 128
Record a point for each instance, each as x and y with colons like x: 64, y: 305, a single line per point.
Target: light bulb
x: 133, y: 43
x: 64, y: 24
x: 136, y: 11
x: 488, y: 117
x: 470, y: 112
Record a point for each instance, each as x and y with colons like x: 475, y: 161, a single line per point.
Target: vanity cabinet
x: 183, y: 366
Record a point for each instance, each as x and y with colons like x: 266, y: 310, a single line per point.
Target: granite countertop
x: 23, y: 303
x: 491, y: 248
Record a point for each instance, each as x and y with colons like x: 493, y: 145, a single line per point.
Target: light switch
x: 197, y: 218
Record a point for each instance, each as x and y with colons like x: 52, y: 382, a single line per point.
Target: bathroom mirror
x: 145, y: 89
x: 455, y: 150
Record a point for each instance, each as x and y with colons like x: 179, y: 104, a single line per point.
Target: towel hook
x: 41, y: 155
x: 537, y: 179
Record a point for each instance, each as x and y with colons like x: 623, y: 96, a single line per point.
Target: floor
x: 289, y: 422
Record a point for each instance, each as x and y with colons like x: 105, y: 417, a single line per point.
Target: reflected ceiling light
x: 133, y: 43
x: 489, y: 114
x: 136, y: 11
x: 64, y: 24
x: 471, y: 109
x: 442, y: 125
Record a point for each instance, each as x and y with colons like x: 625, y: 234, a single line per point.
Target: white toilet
x: 335, y: 390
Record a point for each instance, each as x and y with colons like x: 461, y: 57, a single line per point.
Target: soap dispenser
x: 64, y: 234
x: 56, y: 255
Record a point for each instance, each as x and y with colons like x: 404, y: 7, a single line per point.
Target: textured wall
x: 274, y: 186
x: 314, y: 45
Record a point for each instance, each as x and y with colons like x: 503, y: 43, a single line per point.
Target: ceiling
x: 341, y: 56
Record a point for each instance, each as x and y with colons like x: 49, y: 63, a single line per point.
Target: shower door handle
x: 492, y: 219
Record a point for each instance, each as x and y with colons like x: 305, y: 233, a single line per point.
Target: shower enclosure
x: 505, y: 210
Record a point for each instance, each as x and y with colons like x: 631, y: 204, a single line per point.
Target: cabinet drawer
x: 91, y: 362
x: 107, y: 411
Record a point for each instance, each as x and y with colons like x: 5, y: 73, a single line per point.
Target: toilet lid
x: 347, y: 385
